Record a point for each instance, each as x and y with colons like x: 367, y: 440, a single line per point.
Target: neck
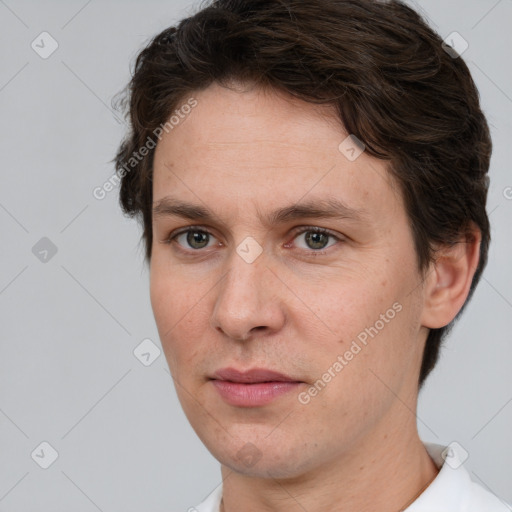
x: 387, y: 474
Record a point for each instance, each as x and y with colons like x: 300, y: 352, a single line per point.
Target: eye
x: 194, y: 238
x: 316, y: 238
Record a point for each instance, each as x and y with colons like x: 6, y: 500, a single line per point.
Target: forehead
x: 256, y: 146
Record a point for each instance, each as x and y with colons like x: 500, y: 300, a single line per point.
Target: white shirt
x: 452, y: 490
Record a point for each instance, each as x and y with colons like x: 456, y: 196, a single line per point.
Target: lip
x: 252, y: 376
x: 252, y: 388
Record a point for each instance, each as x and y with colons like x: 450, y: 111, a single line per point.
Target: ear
x: 449, y: 279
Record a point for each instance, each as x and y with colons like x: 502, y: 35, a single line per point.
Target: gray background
x: 68, y: 375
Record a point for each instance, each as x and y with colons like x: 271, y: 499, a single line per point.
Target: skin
x: 243, y: 152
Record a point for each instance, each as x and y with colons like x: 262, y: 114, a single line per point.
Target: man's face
x: 306, y: 299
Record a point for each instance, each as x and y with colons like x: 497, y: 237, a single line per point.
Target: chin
x: 264, y: 459
x: 266, y: 467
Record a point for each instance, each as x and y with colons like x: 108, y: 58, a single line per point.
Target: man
x: 311, y: 177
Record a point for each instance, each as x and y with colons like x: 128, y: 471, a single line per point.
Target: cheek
x: 376, y: 352
x: 368, y: 321
x: 171, y: 295
x: 177, y: 310
x: 346, y: 307
x: 161, y: 299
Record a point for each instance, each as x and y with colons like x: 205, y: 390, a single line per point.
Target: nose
x: 248, y: 302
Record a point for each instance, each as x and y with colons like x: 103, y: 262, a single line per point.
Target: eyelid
x: 303, y: 229
x: 179, y: 231
x: 172, y: 236
x: 299, y: 230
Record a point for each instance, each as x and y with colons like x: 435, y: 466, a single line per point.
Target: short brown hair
x: 378, y: 63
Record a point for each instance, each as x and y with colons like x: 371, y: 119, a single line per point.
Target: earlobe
x: 449, y: 280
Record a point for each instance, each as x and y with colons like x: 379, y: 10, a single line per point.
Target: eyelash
x: 298, y: 231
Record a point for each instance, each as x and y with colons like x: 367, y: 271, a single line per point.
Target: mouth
x: 254, y: 376
x: 252, y: 388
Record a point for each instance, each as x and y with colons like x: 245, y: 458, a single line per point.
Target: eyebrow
x: 322, y: 208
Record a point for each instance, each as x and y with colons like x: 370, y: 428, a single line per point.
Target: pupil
x: 315, y: 238
x: 197, y: 236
